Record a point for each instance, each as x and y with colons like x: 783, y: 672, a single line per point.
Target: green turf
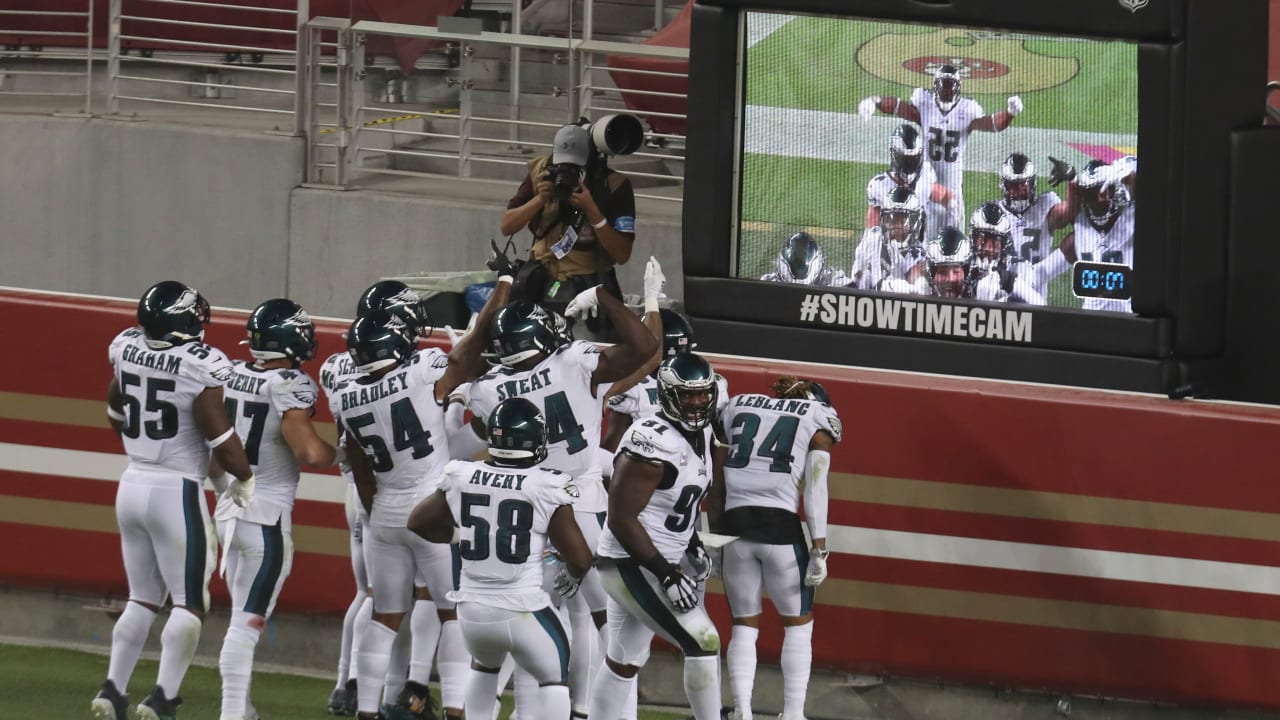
x: 55, y: 683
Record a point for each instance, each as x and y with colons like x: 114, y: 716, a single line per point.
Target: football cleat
x: 342, y: 701
x: 157, y: 707
x: 110, y: 703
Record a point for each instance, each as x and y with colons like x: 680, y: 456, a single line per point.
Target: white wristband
x: 650, y: 305
x: 221, y: 438
x: 115, y: 414
x: 603, y: 221
x: 506, y: 279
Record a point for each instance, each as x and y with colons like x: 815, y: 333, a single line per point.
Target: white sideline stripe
x: 1079, y: 562
x: 762, y: 25
x: 924, y: 547
x: 109, y: 466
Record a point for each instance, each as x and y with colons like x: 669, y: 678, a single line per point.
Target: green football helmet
x: 687, y: 390
x: 171, y: 313
x: 517, y: 433
x: 380, y: 339
x: 399, y: 299
x: 523, y: 330
x: 677, y: 333
x: 280, y: 328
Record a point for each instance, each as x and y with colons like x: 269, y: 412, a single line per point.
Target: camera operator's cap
x: 572, y: 145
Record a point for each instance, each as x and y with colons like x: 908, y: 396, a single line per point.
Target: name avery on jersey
x: 524, y: 386
x: 917, y: 317
x: 795, y: 407
x: 166, y: 362
x: 497, y: 480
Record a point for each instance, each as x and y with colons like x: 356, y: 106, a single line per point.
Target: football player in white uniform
x: 505, y: 510
x: 800, y: 261
x: 1104, y: 223
x: 270, y: 402
x: 659, y: 479
x: 947, y: 119
x: 759, y: 502
x: 165, y: 402
x: 1034, y: 217
x: 567, y: 381
x: 393, y: 417
x: 890, y: 256
x: 949, y: 258
x: 995, y: 272
x: 908, y: 169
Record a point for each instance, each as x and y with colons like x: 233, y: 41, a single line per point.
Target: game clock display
x: 1109, y: 281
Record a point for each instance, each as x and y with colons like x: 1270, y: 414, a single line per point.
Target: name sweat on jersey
x: 503, y: 514
x: 400, y: 426
x: 572, y: 407
x: 669, y: 517
x: 769, y: 439
x: 256, y: 401
x: 160, y: 386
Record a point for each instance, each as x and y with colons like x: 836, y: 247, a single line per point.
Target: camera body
x: 565, y: 178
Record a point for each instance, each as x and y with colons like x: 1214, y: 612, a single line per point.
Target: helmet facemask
x: 800, y: 260
x: 949, y: 258
x: 946, y: 86
x: 989, y: 249
x: 687, y: 391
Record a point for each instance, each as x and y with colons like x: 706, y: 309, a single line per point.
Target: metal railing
x: 68, y: 41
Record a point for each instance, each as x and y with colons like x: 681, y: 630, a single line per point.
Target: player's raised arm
x: 889, y: 105
x: 654, y: 281
x: 636, y: 344
x: 997, y: 121
x: 465, y: 362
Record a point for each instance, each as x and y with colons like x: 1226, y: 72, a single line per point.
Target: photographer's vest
x: 587, y: 256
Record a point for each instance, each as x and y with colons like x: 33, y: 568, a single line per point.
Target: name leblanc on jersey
x: 795, y: 407
x: 155, y: 361
x: 523, y: 386
x: 916, y: 316
x: 358, y: 395
x: 497, y: 480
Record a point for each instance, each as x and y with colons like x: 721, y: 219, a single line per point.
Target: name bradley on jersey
x: 356, y: 395
x: 155, y: 361
x: 795, y: 407
x: 524, y: 386
x: 497, y: 480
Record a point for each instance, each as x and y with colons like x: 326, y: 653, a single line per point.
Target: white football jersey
x: 670, y: 516
x: 945, y: 134
x: 769, y: 439
x: 256, y: 401
x: 1114, y: 245
x: 641, y: 399
x: 560, y: 386
x: 1032, y: 239
x: 874, y: 261
x: 401, y: 427
x: 879, y: 186
x: 991, y: 289
x: 503, y: 514
x: 336, y: 370
x: 160, y: 388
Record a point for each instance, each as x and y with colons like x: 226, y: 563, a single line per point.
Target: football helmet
x: 677, y: 333
x: 946, y: 86
x: 687, y: 390
x: 1103, y: 195
x: 380, y: 339
x: 800, y: 260
x: 523, y: 330
x: 901, y: 219
x: 1018, y: 181
x: 801, y: 389
x: 399, y: 299
x: 991, y: 232
x: 949, y: 257
x: 280, y: 328
x: 171, y: 313
x: 906, y: 152
x: 517, y: 433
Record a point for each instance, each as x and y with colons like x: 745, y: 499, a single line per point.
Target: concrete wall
x: 109, y: 207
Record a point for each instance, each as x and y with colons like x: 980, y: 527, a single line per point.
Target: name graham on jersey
x: 246, y: 384
x: 497, y: 480
x: 795, y: 407
x: 524, y: 386
x: 364, y: 394
x: 155, y: 361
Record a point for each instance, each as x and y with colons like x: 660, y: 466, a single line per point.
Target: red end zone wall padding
x: 984, y: 532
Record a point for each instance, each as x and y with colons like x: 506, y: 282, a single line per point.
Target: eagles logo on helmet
x: 1018, y: 182
x: 990, y: 231
x: 906, y: 152
x: 522, y: 331
x: 949, y: 256
x: 378, y: 340
x: 280, y: 328
x: 901, y: 219
x: 171, y: 313
x: 687, y: 390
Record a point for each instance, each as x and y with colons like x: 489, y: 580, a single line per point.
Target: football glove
x: 585, y: 303
x: 241, y: 491
x: 1015, y: 105
x: 681, y: 591
x: 817, y: 571
x: 867, y: 107
x: 1063, y: 171
x: 699, y: 562
x: 499, y: 262
x: 566, y: 584
x: 654, y: 280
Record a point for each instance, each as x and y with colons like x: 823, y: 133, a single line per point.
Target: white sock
x: 526, y: 694
x: 236, y: 662
x: 178, y: 644
x: 741, y: 659
x: 127, y: 638
x: 482, y: 693
x: 398, y: 661
x: 702, y: 685
x: 584, y: 660
x: 797, y: 659
x: 453, y: 663
x: 348, y: 633
x: 632, y: 708
x: 358, y: 630
x: 375, y: 654
x: 425, y: 626
x: 609, y: 693
x: 554, y: 701
x: 504, y: 677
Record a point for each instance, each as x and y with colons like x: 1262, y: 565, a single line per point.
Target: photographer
x: 582, y: 217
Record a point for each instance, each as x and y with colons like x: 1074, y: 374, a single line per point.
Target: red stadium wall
x: 983, y: 532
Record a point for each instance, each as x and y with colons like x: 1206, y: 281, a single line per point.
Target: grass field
x: 808, y: 156
x: 58, y: 684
